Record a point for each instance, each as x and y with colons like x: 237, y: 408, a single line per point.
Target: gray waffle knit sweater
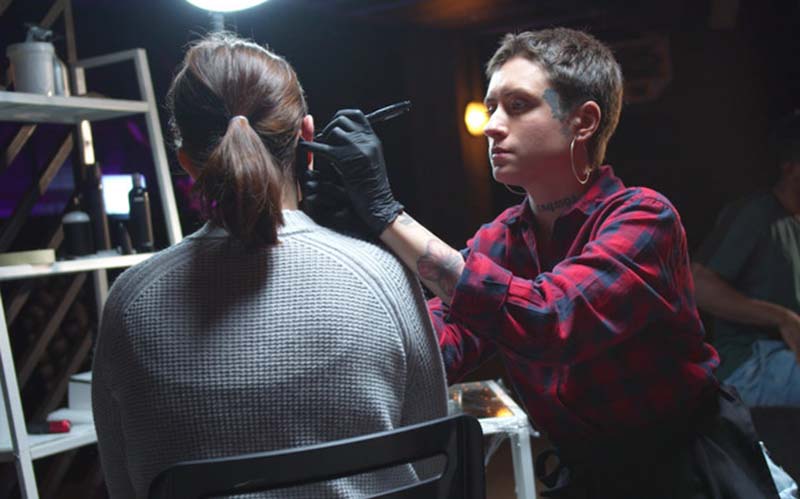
x: 207, y: 349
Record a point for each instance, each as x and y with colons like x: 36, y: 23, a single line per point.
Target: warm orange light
x: 503, y: 412
x: 476, y: 117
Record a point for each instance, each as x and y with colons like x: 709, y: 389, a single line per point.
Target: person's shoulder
x: 641, y: 193
x: 136, y: 279
x: 759, y: 203
x: 356, y: 254
x: 640, y: 197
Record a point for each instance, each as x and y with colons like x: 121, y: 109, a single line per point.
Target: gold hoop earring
x: 523, y: 192
x: 572, y: 162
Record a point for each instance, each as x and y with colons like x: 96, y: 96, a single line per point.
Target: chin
x: 505, y: 175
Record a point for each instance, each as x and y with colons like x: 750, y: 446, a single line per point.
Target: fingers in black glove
x: 347, y: 119
x: 326, y: 201
x: 352, y: 146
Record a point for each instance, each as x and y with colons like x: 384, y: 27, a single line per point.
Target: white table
x: 500, y: 418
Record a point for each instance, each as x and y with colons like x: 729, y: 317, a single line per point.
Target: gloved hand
x: 326, y: 201
x: 355, y: 152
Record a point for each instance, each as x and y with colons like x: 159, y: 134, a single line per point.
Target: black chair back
x: 459, y: 438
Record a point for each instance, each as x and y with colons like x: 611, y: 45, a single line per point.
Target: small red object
x: 57, y: 426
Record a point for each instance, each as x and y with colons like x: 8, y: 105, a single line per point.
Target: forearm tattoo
x: 440, y: 266
x: 558, y: 204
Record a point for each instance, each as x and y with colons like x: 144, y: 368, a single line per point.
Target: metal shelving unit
x: 35, y: 108
x: 18, y: 445
x: 46, y: 445
x: 86, y: 264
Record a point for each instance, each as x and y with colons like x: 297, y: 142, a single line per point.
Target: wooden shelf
x: 36, y: 108
x: 83, y: 264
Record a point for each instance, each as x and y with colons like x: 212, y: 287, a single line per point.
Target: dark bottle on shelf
x: 140, y: 225
x: 77, y: 226
x: 94, y: 205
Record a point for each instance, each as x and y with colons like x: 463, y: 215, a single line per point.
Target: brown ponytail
x: 236, y: 112
x: 240, y: 186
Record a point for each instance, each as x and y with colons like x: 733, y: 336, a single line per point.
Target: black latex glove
x: 355, y: 152
x: 326, y: 201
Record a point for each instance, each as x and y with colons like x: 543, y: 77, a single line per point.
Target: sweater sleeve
x: 425, y: 392
x: 105, y: 408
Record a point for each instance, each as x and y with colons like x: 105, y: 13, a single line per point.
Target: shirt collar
x: 604, y: 184
x: 293, y: 221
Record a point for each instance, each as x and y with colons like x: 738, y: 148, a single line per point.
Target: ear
x: 187, y: 164
x: 586, y: 120
x: 307, y: 128
x: 307, y: 133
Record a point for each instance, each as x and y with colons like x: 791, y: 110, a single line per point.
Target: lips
x: 499, y: 156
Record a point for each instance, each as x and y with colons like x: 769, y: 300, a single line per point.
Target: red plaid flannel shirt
x: 600, y: 333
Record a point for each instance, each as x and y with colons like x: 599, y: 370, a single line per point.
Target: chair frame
x: 459, y: 438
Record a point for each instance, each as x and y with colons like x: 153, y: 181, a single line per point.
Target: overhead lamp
x: 218, y: 7
x: 476, y: 117
x: 225, y: 5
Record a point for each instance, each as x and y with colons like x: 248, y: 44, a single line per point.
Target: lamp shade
x: 476, y: 117
x: 225, y: 5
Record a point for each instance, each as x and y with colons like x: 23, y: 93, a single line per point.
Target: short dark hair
x: 243, y: 163
x: 580, y: 68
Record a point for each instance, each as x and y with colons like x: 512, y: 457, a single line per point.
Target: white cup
x: 32, y: 63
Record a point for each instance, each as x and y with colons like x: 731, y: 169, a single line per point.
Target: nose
x: 496, y: 127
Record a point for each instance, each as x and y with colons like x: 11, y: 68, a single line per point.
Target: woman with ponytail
x: 262, y: 330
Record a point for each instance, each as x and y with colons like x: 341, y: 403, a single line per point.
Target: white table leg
x: 524, y: 480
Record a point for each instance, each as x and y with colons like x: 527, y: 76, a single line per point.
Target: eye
x: 491, y: 107
x: 517, y: 105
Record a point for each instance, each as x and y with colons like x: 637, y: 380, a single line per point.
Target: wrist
x: 784, y: 316
x: 381, y: 216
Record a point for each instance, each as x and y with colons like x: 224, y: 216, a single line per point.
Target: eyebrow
x: 505, y: 92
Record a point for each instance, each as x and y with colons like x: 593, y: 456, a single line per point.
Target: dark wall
x: 702, y: 142
x: 340, y: 63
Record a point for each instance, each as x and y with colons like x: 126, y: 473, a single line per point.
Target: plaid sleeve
x: 632, y: 272
x: 462, y: 351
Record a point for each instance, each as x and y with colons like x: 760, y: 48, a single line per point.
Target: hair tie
x: 240, y: 117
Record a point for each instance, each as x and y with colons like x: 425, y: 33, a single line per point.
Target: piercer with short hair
x: 583, y: 289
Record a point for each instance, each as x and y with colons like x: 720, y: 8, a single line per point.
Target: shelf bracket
x: 17, y: 143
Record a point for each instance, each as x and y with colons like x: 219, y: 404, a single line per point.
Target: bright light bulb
x: 476, y: 118
x: 225, y: 5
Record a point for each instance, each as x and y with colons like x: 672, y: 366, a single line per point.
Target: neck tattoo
x: 558, y: 204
